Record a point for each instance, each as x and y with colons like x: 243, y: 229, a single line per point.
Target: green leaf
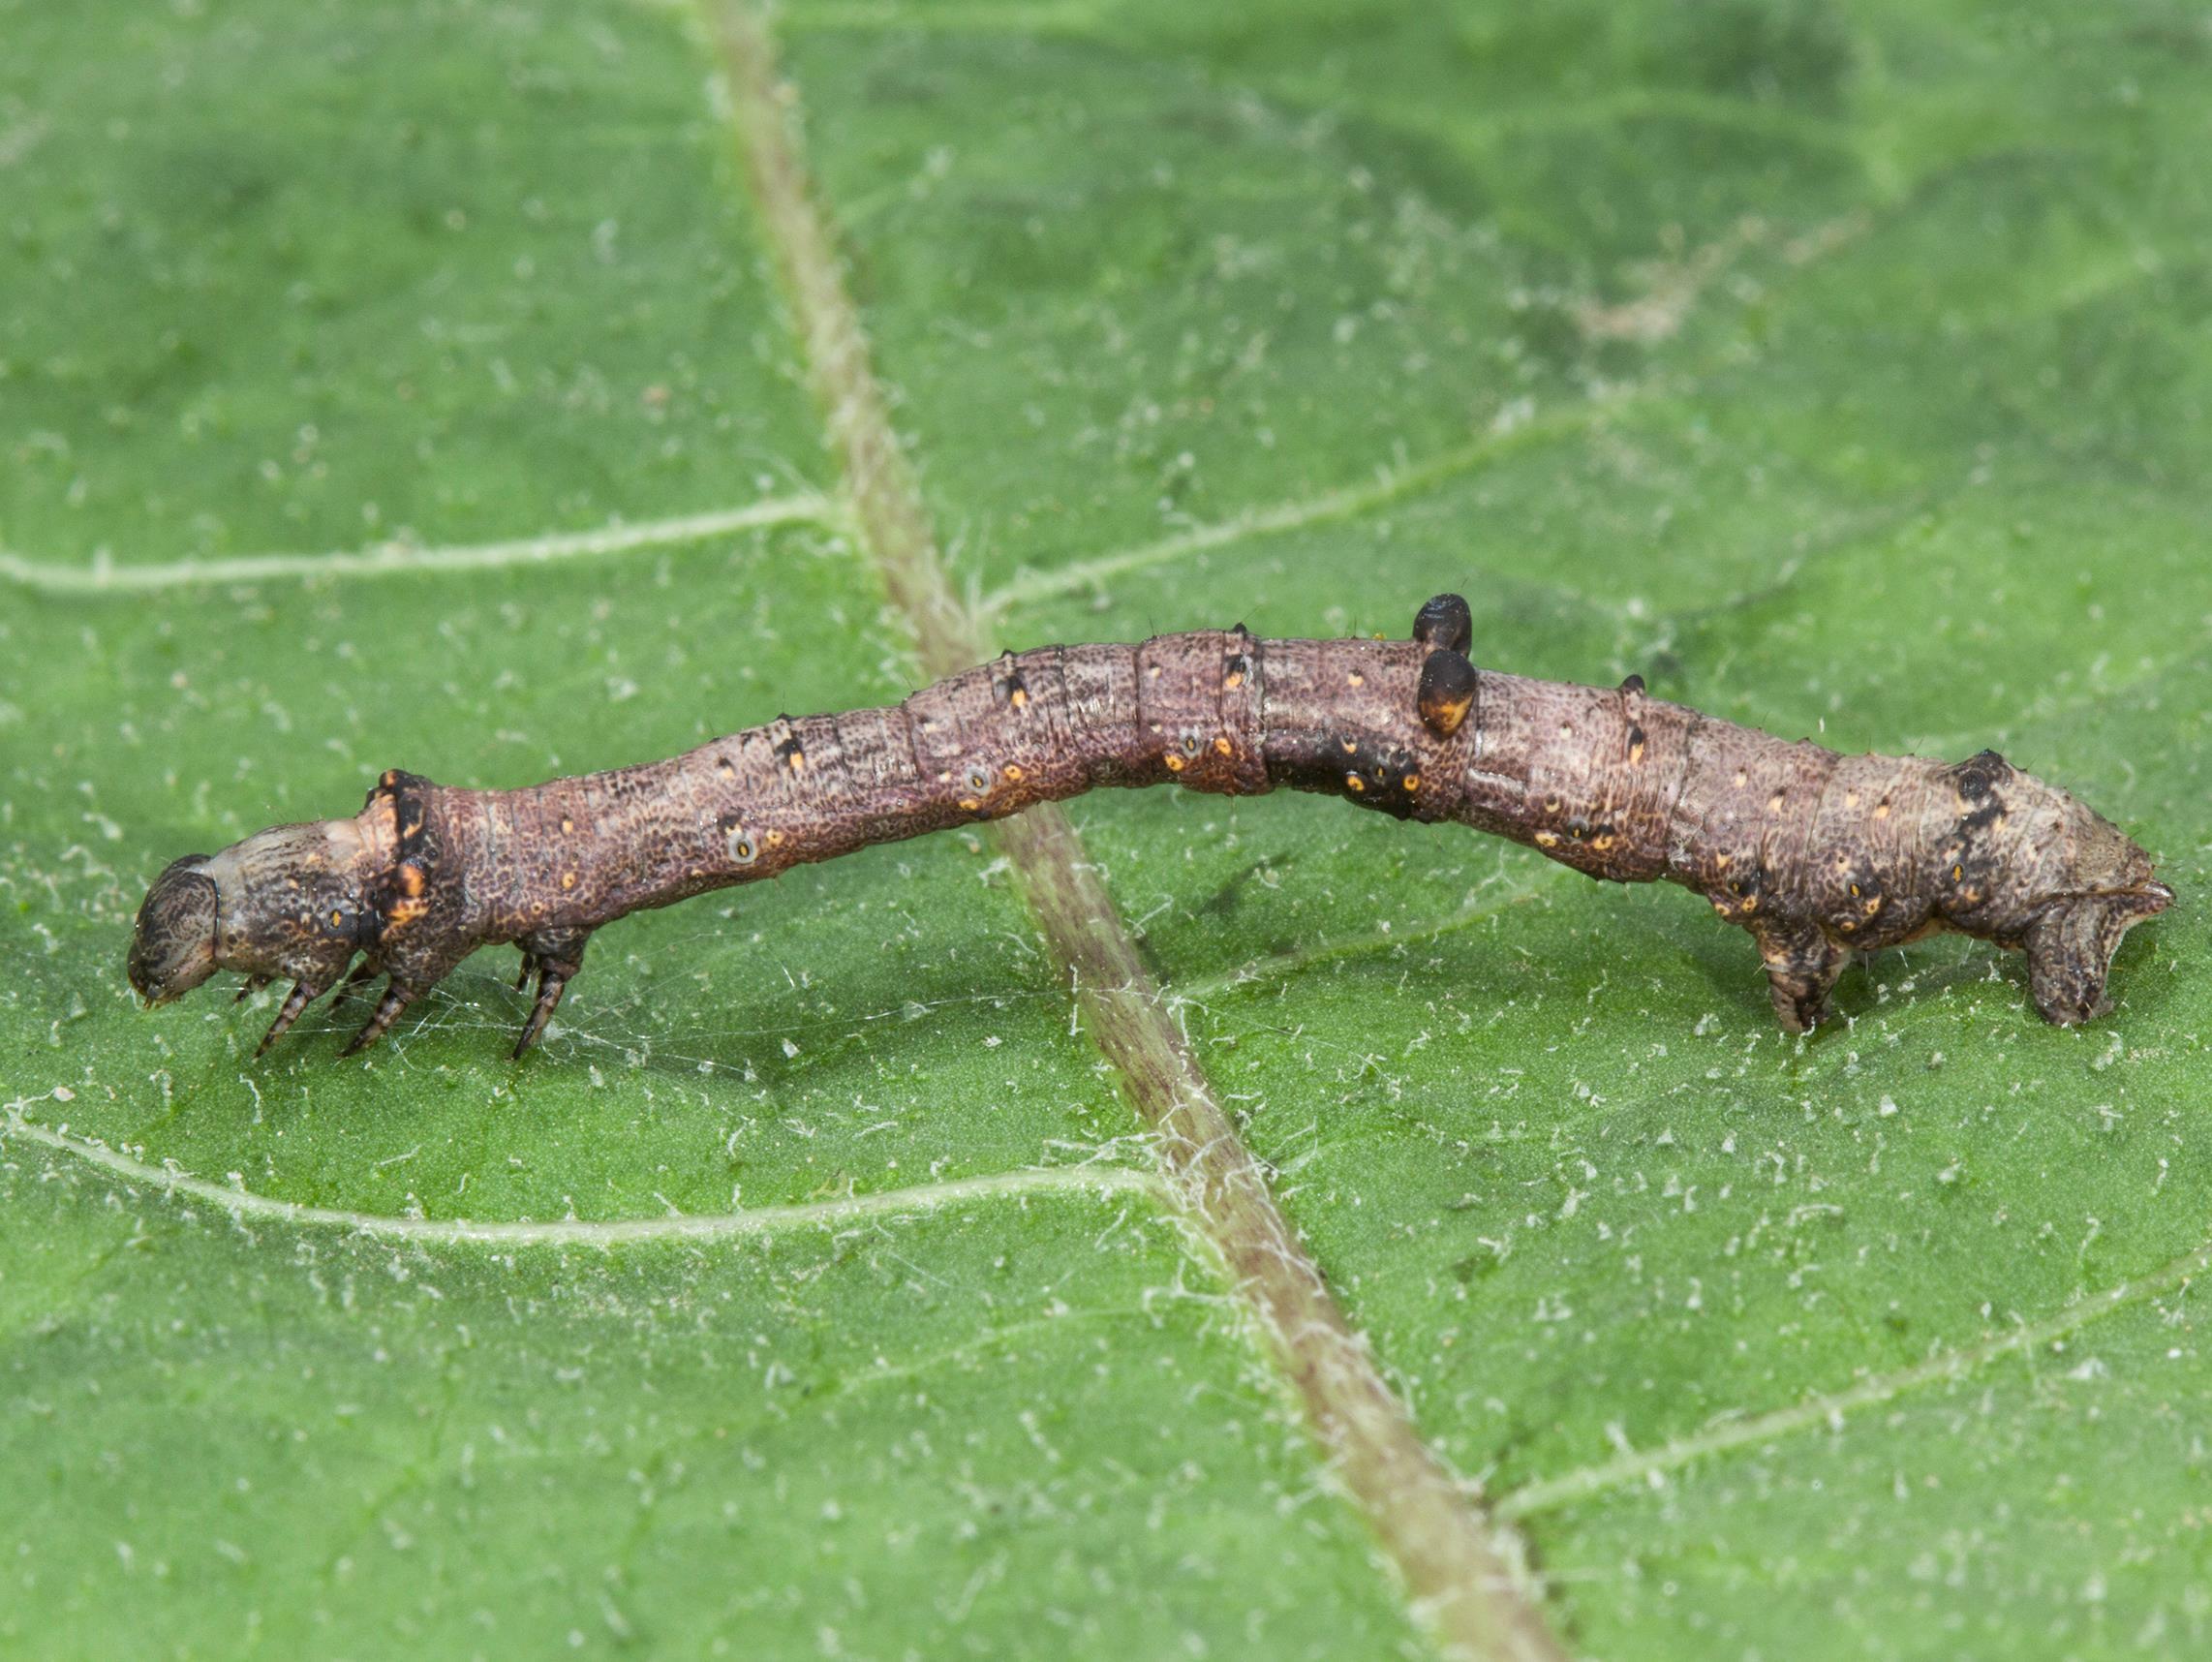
x: 1846, y: 373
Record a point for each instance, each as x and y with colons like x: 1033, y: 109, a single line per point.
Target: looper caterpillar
x: 1817, y: 855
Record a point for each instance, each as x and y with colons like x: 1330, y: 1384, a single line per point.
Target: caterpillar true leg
x: 556, y: 959
x: 253, y: 984
x: 397, y: 997
x: 301, y: 996
x: 551, y: 982
x: 528, y: 970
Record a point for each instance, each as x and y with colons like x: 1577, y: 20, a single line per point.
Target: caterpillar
x: 1818, y: 855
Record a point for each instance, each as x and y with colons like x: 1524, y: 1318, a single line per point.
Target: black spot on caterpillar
x: 1818, y: 855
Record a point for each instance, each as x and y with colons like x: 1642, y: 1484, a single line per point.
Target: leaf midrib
x: 1458, y: 1573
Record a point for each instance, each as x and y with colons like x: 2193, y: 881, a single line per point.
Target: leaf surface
x: 1842, y: 372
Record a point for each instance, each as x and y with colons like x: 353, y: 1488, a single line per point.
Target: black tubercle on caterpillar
x: 1818, y: 855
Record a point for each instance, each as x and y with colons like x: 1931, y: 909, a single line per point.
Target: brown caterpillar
x: 1817, y: 855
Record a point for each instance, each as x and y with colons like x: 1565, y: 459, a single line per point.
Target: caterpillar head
x: 172, y: 948
x: 2077, y: 882
x: 285, y: 902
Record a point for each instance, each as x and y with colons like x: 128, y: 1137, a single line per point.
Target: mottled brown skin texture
x: 1818, y: 855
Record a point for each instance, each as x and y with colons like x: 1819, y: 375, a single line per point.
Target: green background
x: 1842, y: 369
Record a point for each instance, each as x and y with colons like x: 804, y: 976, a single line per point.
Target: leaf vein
x: 387, y: 559
x: 1829, y: 1408
x: 755, y: 1220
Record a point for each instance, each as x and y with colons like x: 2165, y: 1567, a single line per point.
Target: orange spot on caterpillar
x: 568, y: 879
x: 1411, y: 782
x: 410, y: 877
x: 1019, y: 697
x: 1223, y: 747
x: 1175, y: 763
x: 1354, y: 783
x: 1233, y: 680
x: 1354, y: 678
x: 1546, y: 839
x: 567, y: 823
x: 1013, y: 770
x: 1445, y: 692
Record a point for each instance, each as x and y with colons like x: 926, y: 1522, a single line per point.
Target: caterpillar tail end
x: 2070, y: 947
